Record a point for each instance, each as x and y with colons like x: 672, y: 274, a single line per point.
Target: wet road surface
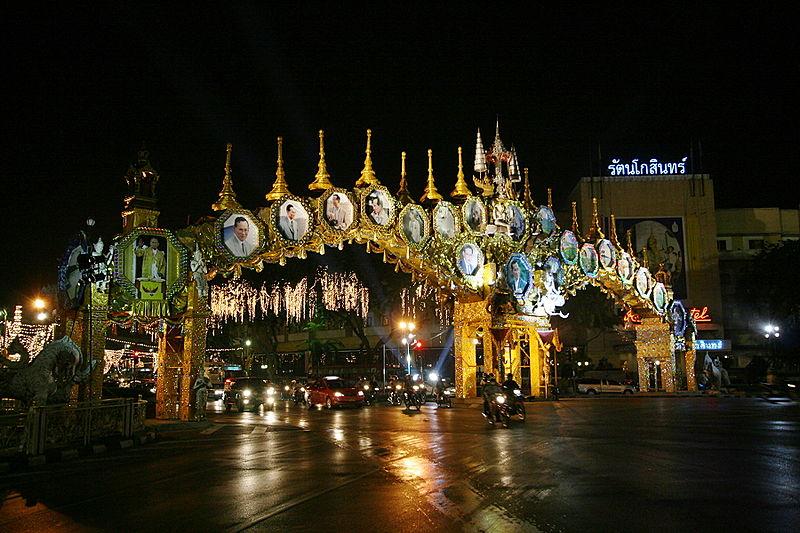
x: 616, y: 464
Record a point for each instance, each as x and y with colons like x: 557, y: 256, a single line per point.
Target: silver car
x: 593, y: 386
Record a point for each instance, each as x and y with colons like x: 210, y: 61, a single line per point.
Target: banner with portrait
x: 662, y: 241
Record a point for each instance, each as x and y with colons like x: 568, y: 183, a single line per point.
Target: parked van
x: 593, y: 386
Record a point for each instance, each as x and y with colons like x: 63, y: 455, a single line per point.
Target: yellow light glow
x: 39, y: 303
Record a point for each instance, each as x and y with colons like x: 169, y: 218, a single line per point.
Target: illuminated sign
x: 232, y: 367
x: 711, y: 345
x: 632, y: 317
x: 700, y: 314
x: 648, y: 168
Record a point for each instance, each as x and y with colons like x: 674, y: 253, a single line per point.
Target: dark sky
x: 85, y: 86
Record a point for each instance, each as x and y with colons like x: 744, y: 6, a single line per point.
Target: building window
x: 755, y: 244
x: 723, y: 245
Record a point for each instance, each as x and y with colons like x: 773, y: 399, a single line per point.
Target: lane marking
x: 213, y: 429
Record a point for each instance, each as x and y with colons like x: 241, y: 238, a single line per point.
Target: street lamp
x: 39, y: 304
x: 771, y: 331
x: 407, y: 340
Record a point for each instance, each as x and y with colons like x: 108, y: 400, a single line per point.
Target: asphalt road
x: 627, y: 464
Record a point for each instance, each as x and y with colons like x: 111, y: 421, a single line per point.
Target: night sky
x: 85, y: 87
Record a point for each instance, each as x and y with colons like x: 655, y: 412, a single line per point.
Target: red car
x: 332, y: 391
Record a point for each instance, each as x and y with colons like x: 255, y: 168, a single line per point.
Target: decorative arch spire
x: 367, y: 174
x: 430, y: 194
x: 550, y: 198
x: 527, y: 194
x: 322, y: 180
x: 227, y: 198
x: 575, y: 228
x: 595, y: 232
x: 461, y: 189
x: 629, y: 236
x: 279, y: 188
x: 613, y: 231
x: 402, y: 193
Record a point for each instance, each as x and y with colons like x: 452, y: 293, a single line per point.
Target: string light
x: 32, y: 336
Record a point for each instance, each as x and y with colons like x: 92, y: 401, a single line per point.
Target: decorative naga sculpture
x: 50, y: 375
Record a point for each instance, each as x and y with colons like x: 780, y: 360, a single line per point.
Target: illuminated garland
x: 421, y: 297
x: 239, y: 301
x: 32, y: 336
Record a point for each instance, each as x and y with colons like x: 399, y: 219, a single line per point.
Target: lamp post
x: 772, y: 333
x: 407, y: 339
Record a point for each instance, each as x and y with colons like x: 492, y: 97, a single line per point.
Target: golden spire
x: 613, y: 231
x: 527, y: 195
x: 279, y: 188
x: 227, y: 198
x: 367, y: 174
x: 550, y: 198
x: 430, y: 194
x: 322, y: 179
x: 595, y: 232
x: 575, y: 228
x: 629, y: 235
x: 402, y: 193
x: 461, y: 190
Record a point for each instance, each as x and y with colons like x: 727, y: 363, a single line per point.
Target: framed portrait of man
x: 241, y: 235
x: 414, y: 225
x: 607, y: 253
x: 518, y: 275
x: 151, y: 266
x: 469, y: 259
x: 474, y: 213
x: 292, y: 220
x: 337, y: 209
x: 378, y: 207
x: 445, y: 221
x: 588, y: 261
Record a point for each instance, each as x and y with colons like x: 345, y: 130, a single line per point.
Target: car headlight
x: 246, y: 393
x: 338, y: 394
x: 501, y: 399
x: 246, y: 402
x: 366, y: 387
x: 286, y: 387
x: 153, y: 390
x: 517, y: 392
x: 270, y: 401
x: 271, y: 391
x: 397, y: 387
x: 416, y: 387
x: 302, y: 389
x: 360, y: 393
x: 447, y: 393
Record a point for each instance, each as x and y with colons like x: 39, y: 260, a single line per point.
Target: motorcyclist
x: 490, y: 389
x: 509, y: 386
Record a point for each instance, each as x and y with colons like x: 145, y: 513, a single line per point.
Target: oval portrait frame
x: 465, y: 215
x: 586, y: 255
x: 274, y: 220
x: 426, y: 226
x: 605, y: 244
x: 623, y: 260
x: 454, y: 211
x: 322, y: 208
x: 518, y: 257
x: 568, y: 241
x: 643, y: 282
x: 659, y: 297
x: 545, y: 213
x: 366, y: 220
x: 219, y: 241
x: 480, y: 263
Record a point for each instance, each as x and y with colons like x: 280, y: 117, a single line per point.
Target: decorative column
x: 87, y: 327
x: 194, y: 350
x: 689, y: 357
x: 654, y: 343
x: 467, y: 318
x: 169, y: 368
x: 536, y: 354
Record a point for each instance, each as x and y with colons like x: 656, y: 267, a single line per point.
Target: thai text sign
x: 646, y: 168
x: 712, y: 344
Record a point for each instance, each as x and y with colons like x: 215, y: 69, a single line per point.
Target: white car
x: 592, y: 386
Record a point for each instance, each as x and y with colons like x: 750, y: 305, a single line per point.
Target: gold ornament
x: 322, y: 179
x: 279, y: 188
x: 227, y: 198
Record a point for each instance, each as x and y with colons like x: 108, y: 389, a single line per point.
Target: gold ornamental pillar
x: 87, y: 328
x: 468, y: 317
x: 169, y: 369
x: 195, y: 325
x: 489, y: 353
x: 689, y: 357
x: 654, y: 345
x: 537, y: 355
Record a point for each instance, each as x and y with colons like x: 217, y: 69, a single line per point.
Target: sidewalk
x: 164, y: 426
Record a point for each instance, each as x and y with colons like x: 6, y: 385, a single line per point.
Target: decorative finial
x: 402, y: 193
x: 613, y: 231
x: 142, y: 177
x: 550, y: 198
x: 227, y: 198
x: 595, y: 232
x: 480, y: 155
x: 527, y: 195
x: 575, y: 228
x: 461, y: 190
x: 629, y: 235
x: 367, y: 174
x: 430, y: 194
x: 322, y: 179
x: 279, y: 188
x: 513, y: 166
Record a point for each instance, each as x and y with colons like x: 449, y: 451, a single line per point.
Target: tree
x: 770, y: 283
x: 590, y: 314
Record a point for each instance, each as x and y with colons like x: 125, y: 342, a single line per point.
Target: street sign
x: 712, y: 344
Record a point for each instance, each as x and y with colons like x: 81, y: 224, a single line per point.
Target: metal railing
x: 58, y: 426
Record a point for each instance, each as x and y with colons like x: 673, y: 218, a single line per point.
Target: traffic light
x: 418, y: 345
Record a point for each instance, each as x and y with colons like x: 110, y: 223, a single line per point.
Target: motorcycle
x: 503, y: 406
x: 395, y: 395
x: 369, y: 395
x: 299, y: 396
x: 517, y: 405
x: 412, y: 398
x: 444, y: 397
